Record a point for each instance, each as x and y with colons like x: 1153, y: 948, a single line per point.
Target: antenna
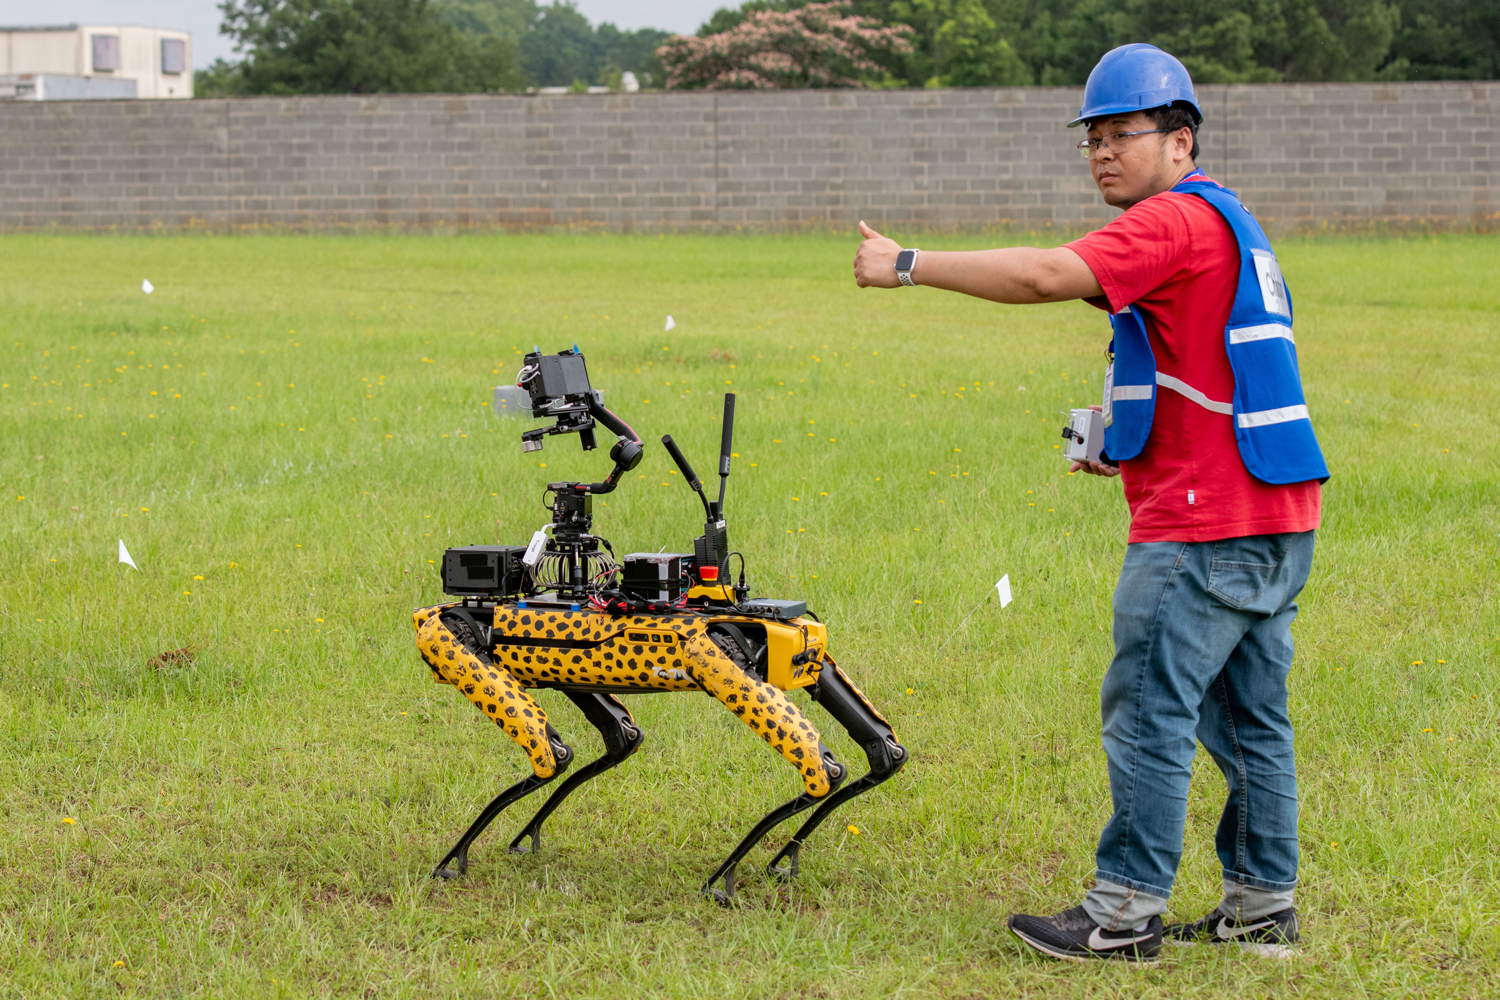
x: 726, y: 447
x: 687, y: 472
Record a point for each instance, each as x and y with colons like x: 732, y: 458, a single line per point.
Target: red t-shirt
x: 1175, y: 257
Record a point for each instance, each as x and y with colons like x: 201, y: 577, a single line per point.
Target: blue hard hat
x: 1135, y: 77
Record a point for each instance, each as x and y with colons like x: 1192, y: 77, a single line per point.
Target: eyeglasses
x: 1088, y: 147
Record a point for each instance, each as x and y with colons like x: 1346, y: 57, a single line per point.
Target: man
x: 1207, y: 426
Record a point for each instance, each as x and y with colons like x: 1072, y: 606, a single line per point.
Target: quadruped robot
x: 563, y: 612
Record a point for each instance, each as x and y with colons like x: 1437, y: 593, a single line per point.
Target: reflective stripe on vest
x: 1260, y: 418
x: 1272, y: 428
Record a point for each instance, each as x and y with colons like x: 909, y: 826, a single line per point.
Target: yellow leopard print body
x: 591, y: 650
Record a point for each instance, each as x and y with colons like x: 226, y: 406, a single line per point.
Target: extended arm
x: 1012, y: 274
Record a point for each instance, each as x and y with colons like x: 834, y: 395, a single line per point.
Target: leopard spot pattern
x: 492, y: 689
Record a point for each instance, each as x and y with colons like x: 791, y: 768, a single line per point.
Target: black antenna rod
x: 687, y: 472
x: 726, y: 446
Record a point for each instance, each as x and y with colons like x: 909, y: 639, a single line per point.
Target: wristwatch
x: 905, y: 261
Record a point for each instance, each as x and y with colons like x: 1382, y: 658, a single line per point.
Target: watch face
x: 905, y: 259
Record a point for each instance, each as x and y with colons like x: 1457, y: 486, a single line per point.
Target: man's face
x: 1131, y: 169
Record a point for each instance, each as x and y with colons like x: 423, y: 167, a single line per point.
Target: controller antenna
x: 726, y: 446
x: 687, y: 472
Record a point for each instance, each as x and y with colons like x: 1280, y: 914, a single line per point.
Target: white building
x: 159, y: 61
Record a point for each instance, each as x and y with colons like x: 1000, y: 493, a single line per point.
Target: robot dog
x: 564, y: 613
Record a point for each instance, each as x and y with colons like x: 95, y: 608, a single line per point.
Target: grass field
x: 290, y: 430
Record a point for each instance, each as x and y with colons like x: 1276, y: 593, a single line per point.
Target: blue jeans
x: 1202, y: 651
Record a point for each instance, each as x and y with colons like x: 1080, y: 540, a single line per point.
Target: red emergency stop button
x: 708, y: 574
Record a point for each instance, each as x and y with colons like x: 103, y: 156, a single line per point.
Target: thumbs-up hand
x: 875, y: 261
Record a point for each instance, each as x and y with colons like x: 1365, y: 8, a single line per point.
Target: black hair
x: 1174, y: 117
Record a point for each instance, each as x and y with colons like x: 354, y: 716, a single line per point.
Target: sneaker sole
x: 1264, y: 949
x: 1123, y: 954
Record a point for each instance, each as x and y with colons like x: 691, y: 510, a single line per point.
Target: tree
x: 506, y: 18
x: 958, y: 44
x: 1446, y: 40
x: 559, y: 47
x: 816, y: 45
x: 629, y: 50
x: 954, y: 42
x: 356, y: 47
x: 221, y: 78
x: 1320, y: 40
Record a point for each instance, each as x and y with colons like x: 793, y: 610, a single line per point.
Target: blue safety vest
x: 1271, y: 424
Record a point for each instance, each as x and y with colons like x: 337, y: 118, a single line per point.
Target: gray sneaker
x: 1272, y: 936
x: 1073, y: 935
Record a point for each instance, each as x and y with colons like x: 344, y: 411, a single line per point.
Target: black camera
x: 484, y: 571
x: 558, y: 385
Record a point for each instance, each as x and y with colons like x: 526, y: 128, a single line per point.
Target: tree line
x: 420, y: 46
x: 412, y: 46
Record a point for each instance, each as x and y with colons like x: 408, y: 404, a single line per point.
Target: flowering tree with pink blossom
x: 819, y: 45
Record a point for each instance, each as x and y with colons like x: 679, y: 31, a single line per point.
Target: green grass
x: 291, y: 429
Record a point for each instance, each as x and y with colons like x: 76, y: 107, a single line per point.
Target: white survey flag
x: 1002, y: 587
x: 671, y: 323
x: 147, y: 287
x: 125, y: 556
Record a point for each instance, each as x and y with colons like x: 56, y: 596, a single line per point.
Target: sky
x: 201, y: 17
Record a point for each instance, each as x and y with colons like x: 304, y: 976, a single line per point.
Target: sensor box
x: 656, y: 576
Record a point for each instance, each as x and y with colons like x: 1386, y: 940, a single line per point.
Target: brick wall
x: 1301, y: 155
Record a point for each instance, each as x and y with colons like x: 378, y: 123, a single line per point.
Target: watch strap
x: 906, y: 262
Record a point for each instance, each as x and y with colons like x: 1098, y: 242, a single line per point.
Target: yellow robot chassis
x: 563, y: 613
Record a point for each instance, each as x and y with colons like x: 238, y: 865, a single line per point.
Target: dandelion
x: 198, y: 577
x: 70, y: 821
x: 911, y: 690
x: 916, y: 600
x: 119, y: 963
x: 853, y: 829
